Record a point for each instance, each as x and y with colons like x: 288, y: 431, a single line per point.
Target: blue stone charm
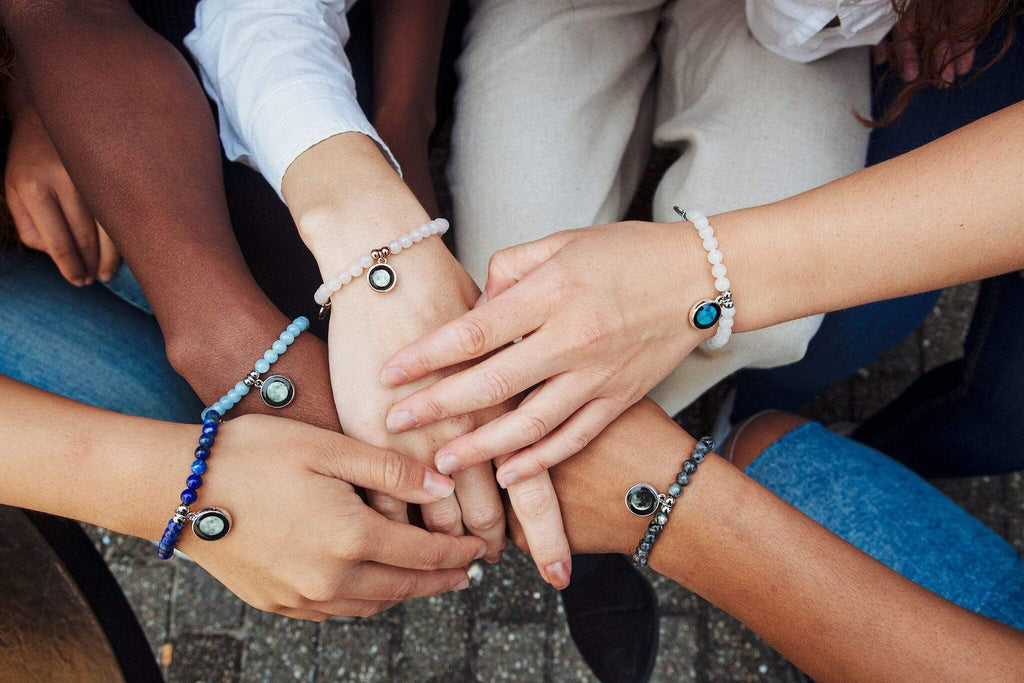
x: 705, y: 314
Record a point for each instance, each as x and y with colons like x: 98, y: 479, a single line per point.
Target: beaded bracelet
x: 211, y: 524
x: 644, y: 500
x: 705, y: 313
x: 380, y: 276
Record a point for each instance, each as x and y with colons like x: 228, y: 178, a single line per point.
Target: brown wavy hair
x: 932, y: 24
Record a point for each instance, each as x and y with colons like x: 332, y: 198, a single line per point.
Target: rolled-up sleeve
x: 278, y: 73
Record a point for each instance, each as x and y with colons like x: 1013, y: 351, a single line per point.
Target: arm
x: 136, y: 135
x: 292, y: 112
x: 829, y: 608
x: 123, y: 472
x: 946, y: 213
x: 407, y: 40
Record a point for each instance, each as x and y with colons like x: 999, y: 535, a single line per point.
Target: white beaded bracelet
x: 706, y: 313
x: 379, y: 275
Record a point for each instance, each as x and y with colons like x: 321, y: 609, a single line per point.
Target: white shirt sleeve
x: 796, y: 29
x: 279, y: 75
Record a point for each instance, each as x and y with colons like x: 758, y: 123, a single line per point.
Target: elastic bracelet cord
x: 211, y: 524
x: 379, y: 274
x: 721, y: 310
x: 644, y: 500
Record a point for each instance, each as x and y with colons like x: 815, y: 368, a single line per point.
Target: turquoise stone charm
x: 705, y: 314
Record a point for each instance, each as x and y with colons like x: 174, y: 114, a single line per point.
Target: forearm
x: 820, y: 601
x: 946, y: 213
x: 76, y: 461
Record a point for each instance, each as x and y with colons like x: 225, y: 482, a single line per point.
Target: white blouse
x: 795, y: 29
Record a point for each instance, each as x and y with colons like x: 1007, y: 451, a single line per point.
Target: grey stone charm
x: 277, y: 391
x: 381, y: 277
x: 642, y: 500
x: 211, y: 524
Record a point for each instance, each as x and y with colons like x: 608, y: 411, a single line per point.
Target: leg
x: 86, y: 344
x: 887, y: 511
x: 552, y: 119
x: 752, y: 128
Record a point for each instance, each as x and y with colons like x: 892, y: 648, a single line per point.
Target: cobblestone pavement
x: 510, y: 626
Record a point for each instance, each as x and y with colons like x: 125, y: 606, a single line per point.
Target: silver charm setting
x: 643, y: 500
x: 210, y: 524
x: 277, y: 391
x: 381, y: 277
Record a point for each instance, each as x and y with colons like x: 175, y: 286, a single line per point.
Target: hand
x: 642, y: 445
x: 48, y: 211
x: 949, y: 59
x: 602, y: 319
x: 343, y: 213
x: 303, y: 543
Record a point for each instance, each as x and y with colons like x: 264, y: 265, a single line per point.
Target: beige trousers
x: 560, y: 101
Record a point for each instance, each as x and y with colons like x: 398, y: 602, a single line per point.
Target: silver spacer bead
x: 179, y: 519
x: 182, y: 511
x: 670, y: 501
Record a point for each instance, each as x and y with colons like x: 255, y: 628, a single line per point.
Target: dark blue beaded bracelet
x: 202, y: 453
x: 193, y: 481
x: 665, y: 503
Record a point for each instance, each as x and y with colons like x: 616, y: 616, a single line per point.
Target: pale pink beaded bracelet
x: 379, y: 275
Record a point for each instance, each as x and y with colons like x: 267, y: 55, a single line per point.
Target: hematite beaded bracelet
x: 211, y: 524
x: 644, y: 500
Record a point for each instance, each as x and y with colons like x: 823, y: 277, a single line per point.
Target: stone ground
x: 510, y: 625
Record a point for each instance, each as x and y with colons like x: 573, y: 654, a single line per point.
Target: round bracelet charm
x: 277, y: 391
x: 705, y: 314
x: 381, y: 277
x: 642, y: 500
x: 211, y: 524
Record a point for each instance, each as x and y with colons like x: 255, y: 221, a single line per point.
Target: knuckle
x: 403, y: 590
x: 445, y: 520
x: 396, y: 472
x: 432, y: 407
x: 388, y: 506
x: 432, y: 556
x: 575, y: 440
x: 496, y: 264
x: 318, y: 590
x: 495, y: 385
x: 472, y: 336
x: 367, y: 610
x: 485, y: 517
x: 534, y: 503
x: 533, y: 427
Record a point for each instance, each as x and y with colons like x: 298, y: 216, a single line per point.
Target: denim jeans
x: 890, y: 513
x: 99, y: 345
x: 961, y: 419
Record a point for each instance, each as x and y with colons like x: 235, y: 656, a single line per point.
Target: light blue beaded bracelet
x: 277, y: 391
x: 211, y: 524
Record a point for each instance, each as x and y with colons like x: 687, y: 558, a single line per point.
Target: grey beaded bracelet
x: 644, y: 500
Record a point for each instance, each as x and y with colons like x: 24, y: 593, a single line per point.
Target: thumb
x: 511, y: 265
x: 379, y: 469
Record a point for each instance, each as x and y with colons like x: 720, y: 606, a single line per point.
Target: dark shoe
x: 613, y: 618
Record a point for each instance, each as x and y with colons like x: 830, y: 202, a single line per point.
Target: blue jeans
x: 99, y: 345
x: 971, y: 407
x: 890, y: 513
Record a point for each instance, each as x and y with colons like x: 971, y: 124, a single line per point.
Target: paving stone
x: 123, y: 547
x: 877, y: 390
x: 508, y: 652
x: 202, y: 602
x: 945, y: 329
x: 677, y: 649
x: 355, y: 650
x: 207, y: 658
x: 673, y: 598
x: 435, y: 637
x: 148, y: 589
x: 833, y: 404
x: 279, y: 648
x: 99, y: 536
x: 566, y: 662
x: 737, y: 654
x: 1013, y: 485
x: 511, y: 590
x: 904, y: 358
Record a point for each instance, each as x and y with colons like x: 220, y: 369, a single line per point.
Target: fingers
x: 444, y: 516
x: 469, y: 336
x: 389, y: 507
x: 537, y: 509
x: 964, y: 59
x: 569, y: 439
x: 48, y: 220
x: 880, y: 52
x: 375, y: 581
x: 537, y: 415
x: 26, y: 228
x: 488, y: 383
x: 483, y: 512
x: 404, y: 545
x: 379, y: 469
x: 82, y: 225
x: 511, y: 265
x: 110, y: 259
x: 304, y: 614
x: 944, y: 62
x: 906, y: 57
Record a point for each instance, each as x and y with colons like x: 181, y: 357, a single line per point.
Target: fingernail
x: 495, y: 558
x: 557, y: 574
x: 106, y: 277
x: 447, y: 463
x: 437, y: 486
x: 392, y: 376
x: 89, y: 280
x: 481, y: 300
x: 480, y: 553
x: 79, y: 283
x: 506, y: 479
x: 461, y: 585
x: 400, y: 421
